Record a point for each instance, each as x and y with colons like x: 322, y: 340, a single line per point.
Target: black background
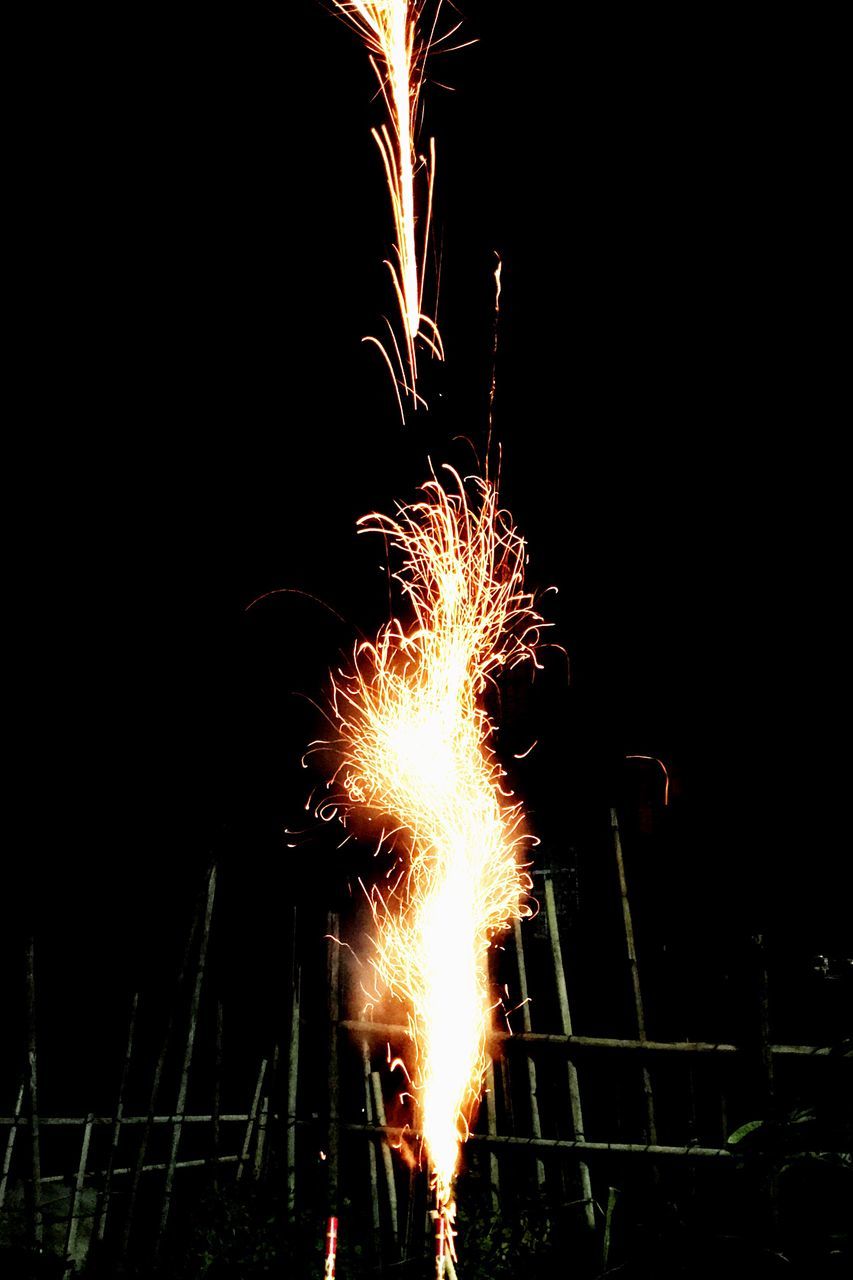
x: 200, y: 221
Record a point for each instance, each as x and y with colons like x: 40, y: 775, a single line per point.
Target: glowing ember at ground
x: 392, y: 30
x: 415, y: 755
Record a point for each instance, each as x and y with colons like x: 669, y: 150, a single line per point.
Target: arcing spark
x: 415, y: 754
x: 391, y: 30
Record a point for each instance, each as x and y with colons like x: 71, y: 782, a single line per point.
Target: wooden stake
x: 104, y: 1197
x: 155, y: 1082
x: 73, y: 1216
x: 10, y: 1142
x: 267, y: 1105
x: 293, y: 1090
x: 371, y: 1154
x: 506, y: 1085
x: 768, y: 1080
x: 217, y: 1095
x: 566, y: 1019
x: 250, y: 1125
x: 180, y: 1106
x: 36, y: 1226
x: 612, y: 1196
x: 262, y: 1133
x: 535, y: 1125
x: 492, y: 1123
x: 767, y: 1069
x: 334, y: 994
x: 651, y: 1125
x: 379, y: 1109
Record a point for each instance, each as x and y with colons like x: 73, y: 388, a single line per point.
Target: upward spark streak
x: 415, y: 753
x: 391, y: 31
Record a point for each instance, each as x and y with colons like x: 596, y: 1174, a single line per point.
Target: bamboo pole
x: 104, y: 1197
x: 10, y: 1142
x: 768, y: 1081
x: 293, y: 1090
x: 36, y: 1226
x: 506, y: 1085
x: 371, y: 1154
x: 692, y: 1125
x: 492, y: 1123
x: 77, y: 1122
x: 535, y: 1124
x: 722, y: 1154
x: 187, y: 1062
x: 612, y: 1197
x: 262, y: 1133
x: 156, y: 1080
x: 261, y: 1152
x: 334, y: 1000
x: 250, y: 1125
x: 409, y: 1225
x: 767, y: 1069
x: 157, y: 1167
x: 379, y: 1111
x: 73, y: 1216
x: 645, y: 1048
x: 217, y: 1096
x: 639, y: 1011
x: 566, y: 1019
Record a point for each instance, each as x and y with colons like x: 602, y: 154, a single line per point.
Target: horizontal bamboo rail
x: 533, y: 1039
x: 723, y: 1154
x: 146, y: 1168
x: 79, y: 1121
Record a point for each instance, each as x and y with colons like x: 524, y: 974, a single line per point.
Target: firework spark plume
x: 415, y: 754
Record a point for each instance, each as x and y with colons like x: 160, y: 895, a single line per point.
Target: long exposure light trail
x: 398, y: 41
x: 414, y: 754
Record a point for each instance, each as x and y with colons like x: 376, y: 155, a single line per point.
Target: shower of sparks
x: 414, y: 753
x: 398, y: 43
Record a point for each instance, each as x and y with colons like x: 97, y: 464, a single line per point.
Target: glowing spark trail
x: 391, y: 30
x: 415, y: 755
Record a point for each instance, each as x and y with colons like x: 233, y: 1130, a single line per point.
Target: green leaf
x: 740, y: 1134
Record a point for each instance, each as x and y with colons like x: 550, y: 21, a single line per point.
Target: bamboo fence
x: 275, y: 1133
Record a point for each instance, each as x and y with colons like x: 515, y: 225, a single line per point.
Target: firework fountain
x: 413, y: 750
x: 414, y: 754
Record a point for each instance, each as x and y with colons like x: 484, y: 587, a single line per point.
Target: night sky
x: 201, y: 218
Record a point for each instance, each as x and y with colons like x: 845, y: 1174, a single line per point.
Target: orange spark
x: 392, y: 32
x: 655, y: 760
x: 415, y: 753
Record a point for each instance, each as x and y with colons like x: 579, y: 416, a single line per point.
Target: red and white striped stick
x: 440, y: 1245
x: 331, y: 1249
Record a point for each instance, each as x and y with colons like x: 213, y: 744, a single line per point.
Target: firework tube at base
x: 331, y: 1249
x: 440, y: 1245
